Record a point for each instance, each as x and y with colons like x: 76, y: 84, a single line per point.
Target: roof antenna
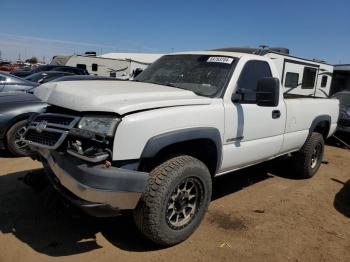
x: 264, y: 47
x: 259, y: 51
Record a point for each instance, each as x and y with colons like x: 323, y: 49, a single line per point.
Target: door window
x: 252, y: 72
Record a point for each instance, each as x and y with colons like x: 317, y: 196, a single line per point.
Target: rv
x: 299, y: 76
x: 341, y: 78
x: 118, y: 65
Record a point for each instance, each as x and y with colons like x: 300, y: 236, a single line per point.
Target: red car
x: 8, y: 67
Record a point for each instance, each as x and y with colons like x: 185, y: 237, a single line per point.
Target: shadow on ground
x: 342, y: 198
x: 44, y: 223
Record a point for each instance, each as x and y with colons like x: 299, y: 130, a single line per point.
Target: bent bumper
x: 93, y: 185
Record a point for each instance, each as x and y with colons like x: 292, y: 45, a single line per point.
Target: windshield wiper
x: 171, y: 85
x: 183, y: 88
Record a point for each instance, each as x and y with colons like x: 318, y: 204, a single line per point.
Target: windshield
x: 35, y: 77
x: 12, y: 79
x: 205, y: 75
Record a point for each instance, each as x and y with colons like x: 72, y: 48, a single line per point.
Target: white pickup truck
x: 154, y: 144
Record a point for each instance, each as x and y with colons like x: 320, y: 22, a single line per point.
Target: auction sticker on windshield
x: 220, y: 59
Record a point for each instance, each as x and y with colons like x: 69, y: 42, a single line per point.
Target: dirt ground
x: 258, y: 214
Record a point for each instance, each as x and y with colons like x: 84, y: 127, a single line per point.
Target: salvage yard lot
x: 258, y: 214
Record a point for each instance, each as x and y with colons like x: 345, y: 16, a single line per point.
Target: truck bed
x: 301, y: 113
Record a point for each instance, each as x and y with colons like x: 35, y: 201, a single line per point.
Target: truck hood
x: 120, y: 97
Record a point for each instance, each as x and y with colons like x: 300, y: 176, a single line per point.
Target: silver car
x: 13, y: 83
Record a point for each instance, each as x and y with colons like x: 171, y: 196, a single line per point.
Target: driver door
x: 252, y: 133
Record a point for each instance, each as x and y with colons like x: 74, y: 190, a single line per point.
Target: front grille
x: 54, y: 119
x: 49, y: 130
x: 43, y: 138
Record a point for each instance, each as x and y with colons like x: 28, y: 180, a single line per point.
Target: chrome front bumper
x: 114, y: 187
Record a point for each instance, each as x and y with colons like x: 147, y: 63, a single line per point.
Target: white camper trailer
x: 341, y: 78
x: 118, y: 65
x: 299, y: 76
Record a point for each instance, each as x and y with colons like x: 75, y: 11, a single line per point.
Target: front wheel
x: 14, y: 142
x: 308, y: 160
x: 175, y: 200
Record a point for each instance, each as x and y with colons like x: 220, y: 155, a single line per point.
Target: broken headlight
x: 104, y: 125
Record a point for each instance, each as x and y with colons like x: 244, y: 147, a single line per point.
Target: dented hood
x: 120, y: 97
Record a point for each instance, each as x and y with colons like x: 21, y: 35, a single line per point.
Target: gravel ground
x: 258, y: 214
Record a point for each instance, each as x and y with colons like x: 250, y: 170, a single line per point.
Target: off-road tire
x: 304, y: 160
x: 11, y: 138
x: 150, y: 214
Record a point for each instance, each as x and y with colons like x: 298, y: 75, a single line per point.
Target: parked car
x: 10, y: 82
x: 7, y: 66
x: 344, y: 117
x: 15, y: 109
x: 69, y: 69
x: 46, y: 76
x: 153, y: 145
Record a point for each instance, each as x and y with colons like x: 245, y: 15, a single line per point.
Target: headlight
x: 99, y: 124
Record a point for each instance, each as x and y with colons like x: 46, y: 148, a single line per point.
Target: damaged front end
x: 77, y: 153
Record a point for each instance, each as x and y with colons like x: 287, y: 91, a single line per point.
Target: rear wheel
x: 308, y: 160
x: 14, y: 142
x: 175, y: 201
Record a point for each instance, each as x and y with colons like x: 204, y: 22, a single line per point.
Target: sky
x: 311, y: 29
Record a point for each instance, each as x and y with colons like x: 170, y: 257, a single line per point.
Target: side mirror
x: 237, y: 97
x: 267, y: 92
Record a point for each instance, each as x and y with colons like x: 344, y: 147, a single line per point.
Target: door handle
x: 276, y: 114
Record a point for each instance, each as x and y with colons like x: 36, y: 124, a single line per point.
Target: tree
x: 33, y: 60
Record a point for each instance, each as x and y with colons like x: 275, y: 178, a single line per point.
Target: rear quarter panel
x: 301, y: 113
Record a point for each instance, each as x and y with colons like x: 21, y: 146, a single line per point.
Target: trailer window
x: 292, y: 80
x: 252, y: 72
x: 94, y: 67
x: 309, y: 77
x: 82, y: 66
x: 324, y: 81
